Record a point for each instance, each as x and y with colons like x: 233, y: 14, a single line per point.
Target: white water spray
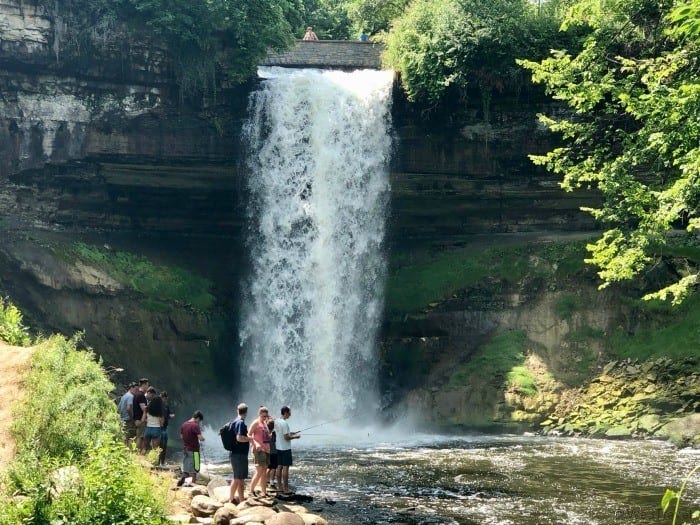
x: 319, y: 150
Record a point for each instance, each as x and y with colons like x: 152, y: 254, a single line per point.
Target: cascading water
x: 319, y: 146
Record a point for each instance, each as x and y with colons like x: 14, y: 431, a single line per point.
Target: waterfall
x: 319, y: 144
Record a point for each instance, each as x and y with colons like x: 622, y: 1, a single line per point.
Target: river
x: 504, y: 480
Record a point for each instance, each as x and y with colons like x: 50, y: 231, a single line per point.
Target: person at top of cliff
x: 310, y: 35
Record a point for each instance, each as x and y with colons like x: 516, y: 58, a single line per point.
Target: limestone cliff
x: 107, y: 151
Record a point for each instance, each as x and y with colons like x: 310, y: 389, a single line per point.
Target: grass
x: 162, y: 286
x: 497, y: 358
x: 71, y: 466
x: 677, y: 335
x: 437, y: 277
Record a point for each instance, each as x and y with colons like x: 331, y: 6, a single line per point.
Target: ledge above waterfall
x: 329, y: 54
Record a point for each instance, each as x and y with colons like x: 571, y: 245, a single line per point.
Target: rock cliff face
x: 107, y: 151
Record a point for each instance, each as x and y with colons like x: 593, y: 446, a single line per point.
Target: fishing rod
x: 321, y: 424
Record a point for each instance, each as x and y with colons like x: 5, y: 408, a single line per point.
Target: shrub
x: 68, y: 420
x: 12, y: 330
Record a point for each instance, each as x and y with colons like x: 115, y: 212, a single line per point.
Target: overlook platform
x: 329, y: 54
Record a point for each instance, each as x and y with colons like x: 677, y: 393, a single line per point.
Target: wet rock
x: 619, y: 432
x: 681, y: 431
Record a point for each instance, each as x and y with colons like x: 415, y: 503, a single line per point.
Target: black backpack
x: 228, y: 436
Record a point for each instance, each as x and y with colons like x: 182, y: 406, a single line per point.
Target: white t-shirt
x: 152, y: 421
x: 282, y: 428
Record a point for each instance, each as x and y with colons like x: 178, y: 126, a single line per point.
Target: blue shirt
x: 241, y: 429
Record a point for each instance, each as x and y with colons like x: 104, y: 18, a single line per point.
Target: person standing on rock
x: 191, y: 435
x: 260, y: 437
x: 239, y: 456
x: 284, y: 450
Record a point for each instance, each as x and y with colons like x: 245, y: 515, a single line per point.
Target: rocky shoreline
x: 654, y: 399
x: 208, y: 504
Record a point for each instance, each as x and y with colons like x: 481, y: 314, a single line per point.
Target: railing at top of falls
x: 329, y: 54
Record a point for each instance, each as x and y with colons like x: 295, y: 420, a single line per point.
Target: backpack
x: 228, y: 436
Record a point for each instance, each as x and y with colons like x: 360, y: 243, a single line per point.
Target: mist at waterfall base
x: 318, y: 149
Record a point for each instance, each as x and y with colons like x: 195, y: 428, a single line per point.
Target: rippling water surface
x: 491, y: 480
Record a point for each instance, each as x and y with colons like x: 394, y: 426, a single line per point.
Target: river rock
x: 261, y: 514
x: 214, y: 483
x: 221, y: 494
x: 681, y: 431
x: 619, y: 432
x: 312, y: 519
x: 204, y: 506
x: 285, y: 518
x: 224, y: 515
x: 195, y: 490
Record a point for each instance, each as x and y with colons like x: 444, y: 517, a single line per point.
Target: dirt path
x: 13, y: 363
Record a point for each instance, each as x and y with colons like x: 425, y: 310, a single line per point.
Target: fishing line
x: 320, y: 424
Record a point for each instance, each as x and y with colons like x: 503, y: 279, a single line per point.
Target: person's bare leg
x: 286, y: 479
x: 280, y: 488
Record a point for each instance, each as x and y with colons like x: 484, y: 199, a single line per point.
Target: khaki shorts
x: 140, y: 428
x: 129, y: 429
x: 261, y: 459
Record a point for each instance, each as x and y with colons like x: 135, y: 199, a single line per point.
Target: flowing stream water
x: 422, y: 479
x: 319, y: 146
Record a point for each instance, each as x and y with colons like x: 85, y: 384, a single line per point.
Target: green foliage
x: 521, y: 379
x: 671, y: 495
x: 374, y: 16
x: 329, y: 18
x: 442, y: 46
x: 437, y: 278
x: 64, y: 383
x: 68, y: 422
x: 161, y: 286
x: 200, y: 36
x: 497, y: 358
x: 12, y: 331
x: 634, y: 131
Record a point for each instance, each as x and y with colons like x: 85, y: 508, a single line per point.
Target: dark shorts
x: 284, y: 458
x: 273, y: 461
x: 239, y: 464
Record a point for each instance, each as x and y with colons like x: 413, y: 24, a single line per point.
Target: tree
x: 634, y: 129
x: 443, y: 46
